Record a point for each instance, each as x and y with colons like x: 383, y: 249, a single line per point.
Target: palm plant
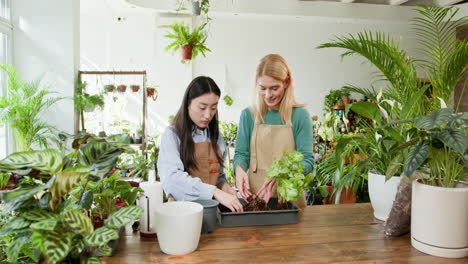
x: 21, y: 109
x: 445, y: 59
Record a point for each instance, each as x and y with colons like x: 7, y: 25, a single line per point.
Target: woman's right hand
x: 242, y: 183
x: 228, y: 200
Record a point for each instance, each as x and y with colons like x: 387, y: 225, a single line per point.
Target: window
x: 5, y: 57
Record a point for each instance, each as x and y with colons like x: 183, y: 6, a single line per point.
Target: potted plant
x: 333, y: 98
x: 109, y: 88
x: 22, y: 106
x: 122, y: 88
x: 85, y: 102
x: 229, y: 132
x: 190, y: 43
x: 47, y: 219
x: 406, y: 96
x: 152, y: 92
x: 135, y: 88
x: 228, y: 100
x: 439, y: 199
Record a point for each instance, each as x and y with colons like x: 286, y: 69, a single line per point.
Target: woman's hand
x: 226, y: 188
x: 228, y: 200
x: 266, y: 191
x: 242, y: 183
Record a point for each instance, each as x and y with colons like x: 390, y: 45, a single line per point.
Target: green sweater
x: 302, y: 131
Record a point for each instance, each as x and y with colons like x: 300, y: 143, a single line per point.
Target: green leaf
x: 67, y: 180
x: 323, y: 191
x: 367, y: 109
x: 394, y: 166
x: 455, y: 139
x: 14, y: 247
x: 416, y: 157
x: 48, y: 161
x: 101, y: 236
x: 38, y: 238
x: 38, y: 215
x: 78, y: 222
x: 123, y: 216
x: 101, y: 156
x: 104, y: 251
x: 48, y: 224
x: 434, y: 119
x: 15, y: 224
x: 57, y: 245
x: 15, y: 199
x: 86, y: 200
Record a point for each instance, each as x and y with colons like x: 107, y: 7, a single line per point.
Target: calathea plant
x: 46, y: 218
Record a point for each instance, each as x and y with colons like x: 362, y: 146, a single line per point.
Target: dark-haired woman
x: 190, y: 162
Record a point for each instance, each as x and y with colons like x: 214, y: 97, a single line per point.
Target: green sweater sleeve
x: 303, y: 133
x: 244, y: 133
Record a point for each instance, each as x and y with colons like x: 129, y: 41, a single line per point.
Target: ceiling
x: 398, y: 2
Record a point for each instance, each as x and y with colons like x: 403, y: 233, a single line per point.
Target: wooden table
x: 345, y: 233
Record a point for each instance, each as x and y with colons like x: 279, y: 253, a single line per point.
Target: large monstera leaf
x: 47, y: 161
x: 100, y: 156
x: 66, y: 180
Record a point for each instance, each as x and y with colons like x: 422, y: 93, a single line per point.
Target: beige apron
x: 268, y: 143
x: 208, y: 167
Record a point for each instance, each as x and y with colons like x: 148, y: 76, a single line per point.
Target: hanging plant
x: 228, y: 100
x: 135, y: 88
x: 189, y: 43
x: 122, y: 88
x: 109, y: 88
x: 152, y: 92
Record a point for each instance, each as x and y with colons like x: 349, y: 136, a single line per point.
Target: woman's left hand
x: 228, y: 189
x: 266, y: 191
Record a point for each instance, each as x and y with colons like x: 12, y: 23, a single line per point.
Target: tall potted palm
x: 21, y: 109
x: 445, y: 59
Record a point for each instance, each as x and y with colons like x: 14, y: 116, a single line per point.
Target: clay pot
x: 186, y: 52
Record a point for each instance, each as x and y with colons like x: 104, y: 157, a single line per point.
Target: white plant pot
x: 178, y: 225
x: 382, y: 194
x: 439, y: 220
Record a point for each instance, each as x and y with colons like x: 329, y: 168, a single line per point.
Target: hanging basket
x: 122, y: 88
x: 151, y: 93
x: 109, y: 88
x: 186, y: 52
x: 135, y: 88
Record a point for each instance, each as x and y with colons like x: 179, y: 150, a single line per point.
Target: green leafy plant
x: 182, y: 36
x: 85, y: 102
x: 228, y: 100
x: 440, y: 145
x: 4, y: 179
x: 331, y: 99
x: 21, y: 108
x: 152, y: 150
x: 288, y: 173
x: 47, y: 217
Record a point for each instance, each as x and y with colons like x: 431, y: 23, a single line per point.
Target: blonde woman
x: 276, y: 123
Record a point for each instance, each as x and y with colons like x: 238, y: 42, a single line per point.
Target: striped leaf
x: 123, y: 216
x: 14, y: 247
x: 37, y: 239
x: 67, y: 180
x: 16, y: 199
x: 101, y: 156
x: 48, y: 224
x: 455, y: 139
x: 16, y: 223
x: 38, y: 215
x: 394, y: 167
x: 86, y: 200
x: 104, y: 251
x: 78, y: 222
x: 92, y: 260
x: 48, y: 161
x: 57, y: 245
x: 416, y: 156
x: 101, y: 236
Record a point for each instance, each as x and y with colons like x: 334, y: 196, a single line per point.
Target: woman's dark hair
x: 184, y: 125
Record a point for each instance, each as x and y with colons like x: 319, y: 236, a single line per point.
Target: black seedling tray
x: 227, y: 218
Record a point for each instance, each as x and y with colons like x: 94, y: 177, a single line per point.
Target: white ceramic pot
x: 151, y: 199
x: 439, y: 220
x: 178, y: 226
x: 382, y: 194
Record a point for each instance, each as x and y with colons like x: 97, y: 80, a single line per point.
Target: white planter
x: 439, y: 220
x: 382, y: 194
x: 178, y: 225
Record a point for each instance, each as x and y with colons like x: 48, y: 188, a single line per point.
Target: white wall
x: 46, y: 44
x: 238, y: 41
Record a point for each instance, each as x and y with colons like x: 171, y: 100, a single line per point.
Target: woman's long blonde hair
x: 276, y: 67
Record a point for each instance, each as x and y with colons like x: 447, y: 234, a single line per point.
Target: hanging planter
x: 152, y: 93
x: 109, y: 88
x: 186, y: 52
x: 122, y: 88
x: 135, y: 88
